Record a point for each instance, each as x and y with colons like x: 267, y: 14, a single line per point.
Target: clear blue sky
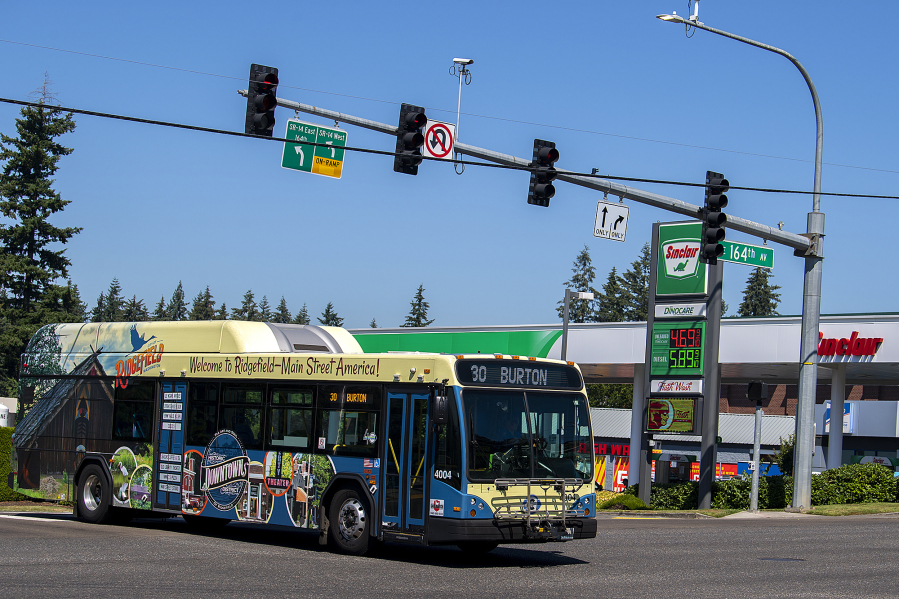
x: 614, y: 87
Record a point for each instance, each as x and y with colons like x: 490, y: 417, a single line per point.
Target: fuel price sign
x: 677, y: 348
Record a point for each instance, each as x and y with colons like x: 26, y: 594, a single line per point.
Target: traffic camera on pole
x: 261, y: 100
x: 541, y: 188
x: 409, y: 139
x: 713, y: 218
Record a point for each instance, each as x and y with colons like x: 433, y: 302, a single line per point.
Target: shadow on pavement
x: 505, y: 556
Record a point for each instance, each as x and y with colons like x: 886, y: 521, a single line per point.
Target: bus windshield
x: 516, y: 434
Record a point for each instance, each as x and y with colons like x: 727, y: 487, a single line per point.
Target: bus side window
x: 348, y: 419
x: 202, y: 408
x: 448, y: 457
x: 290, y: 417
x: 242, y: 412
x: 132, y: 418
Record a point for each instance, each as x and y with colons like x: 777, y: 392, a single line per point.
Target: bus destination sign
x: 517, y: 373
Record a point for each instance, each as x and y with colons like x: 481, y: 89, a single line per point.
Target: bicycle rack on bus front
x: 543, y: 517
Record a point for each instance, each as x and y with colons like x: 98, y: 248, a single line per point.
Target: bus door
x: 405, y: 469
x: 170, y: 446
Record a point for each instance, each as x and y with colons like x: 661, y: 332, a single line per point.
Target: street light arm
x: 819, y: 146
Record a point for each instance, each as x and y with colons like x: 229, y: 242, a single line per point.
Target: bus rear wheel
x: 94, y: 495
x: 350, y: 525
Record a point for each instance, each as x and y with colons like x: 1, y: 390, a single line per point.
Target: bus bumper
x: 447, y: 531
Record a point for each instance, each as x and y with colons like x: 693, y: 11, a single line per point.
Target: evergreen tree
x: 222, y: 313
x: 265, y: 310
x: 27, y: 201
x: 63, y: 304
x: 248, y: 309
x: 636, y: 286
x: 30, y: 263
x: 611, y: 305
x: 203, y: 307
x: 302, y: 316
x: 329, y: 317
x: 581, y: 280
x: 160, y: 312
x: 110, y: 307
x: 282, y: 314
x: 723, y: 307
x: 135, y: 310
x: 177, y: 308
x: 760, y: 298
x: 99, y: 311
x: 418, y: 315
x: 373, y: 324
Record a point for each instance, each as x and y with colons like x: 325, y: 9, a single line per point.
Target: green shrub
x: 854, y: 483
x: 733, y: 494
x: 622, y: 502
x: 6, y: 494
x: 675, y: 496
x: 779, y: 492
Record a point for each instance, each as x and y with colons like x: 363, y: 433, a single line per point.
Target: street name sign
x: 611, y: 221
x: 744, y: 253
x: 324, y: 160
x: 439, y: 140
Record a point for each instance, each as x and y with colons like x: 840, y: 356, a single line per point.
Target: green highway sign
x: 744, y: 253
x: 321, y: 160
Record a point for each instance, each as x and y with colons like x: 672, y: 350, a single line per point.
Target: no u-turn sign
x: 439, y: 139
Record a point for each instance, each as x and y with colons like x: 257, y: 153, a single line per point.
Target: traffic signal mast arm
x: 773, y: 234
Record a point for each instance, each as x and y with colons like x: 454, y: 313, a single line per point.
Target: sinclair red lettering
x: 684, y: 252
x: 854, y: 346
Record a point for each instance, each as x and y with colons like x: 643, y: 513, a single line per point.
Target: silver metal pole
x: 565, y: 325
x: 811, y: 299
x: 837, y: 408
x: 756, y: 459
x: 773, y: 234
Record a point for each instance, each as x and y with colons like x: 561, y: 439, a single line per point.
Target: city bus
x: 294, y: 425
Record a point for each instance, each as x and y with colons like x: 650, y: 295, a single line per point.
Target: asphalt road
x: 807, y: 556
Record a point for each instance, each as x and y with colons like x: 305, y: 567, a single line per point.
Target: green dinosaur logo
x: 681, y: 267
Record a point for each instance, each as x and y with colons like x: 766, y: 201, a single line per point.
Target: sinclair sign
x: 680, y: 272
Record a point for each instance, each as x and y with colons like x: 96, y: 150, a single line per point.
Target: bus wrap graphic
x: 225, y: 470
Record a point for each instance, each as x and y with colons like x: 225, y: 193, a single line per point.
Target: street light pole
x: 811, y: 300
x: 570, y: 295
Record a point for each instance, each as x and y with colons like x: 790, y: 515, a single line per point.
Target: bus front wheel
x: 349, y: 522
x: 94, y: 495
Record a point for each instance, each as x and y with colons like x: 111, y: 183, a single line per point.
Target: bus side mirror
x: 439, y: 410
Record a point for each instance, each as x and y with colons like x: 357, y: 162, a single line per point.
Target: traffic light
x: 541, y: 188
x: 261, y: 100
x: 713, y: 218
x: 757, y: 391
x: 409, y: 139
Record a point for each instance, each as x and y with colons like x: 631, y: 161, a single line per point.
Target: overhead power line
x: 388, y: 153
x: 482, y: 116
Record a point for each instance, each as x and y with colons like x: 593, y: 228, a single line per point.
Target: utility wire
x: 482, y: 116
x: 386, y: 153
